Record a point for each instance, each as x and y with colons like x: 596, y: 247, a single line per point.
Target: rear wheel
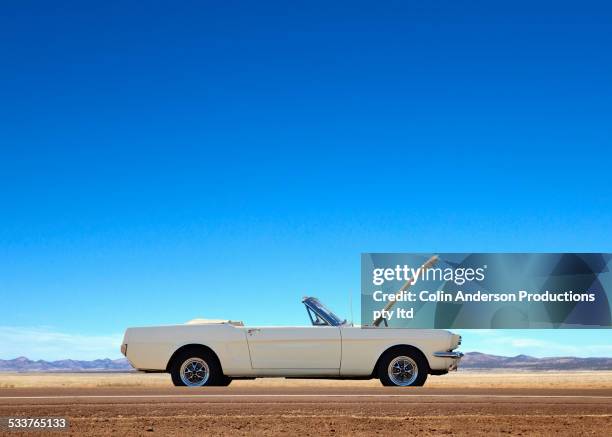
x: 196, y: 368
x: 403, y: 367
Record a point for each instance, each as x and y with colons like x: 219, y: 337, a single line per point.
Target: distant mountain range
x: 23, y: 364
x: 471, y: 361
x: 477, y: 360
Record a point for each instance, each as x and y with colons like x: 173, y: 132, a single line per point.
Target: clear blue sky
x: 161, y: 162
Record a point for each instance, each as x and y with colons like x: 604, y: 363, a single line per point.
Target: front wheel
x: 196, y: 369
x: 402, y: 368
x: 225, y: 381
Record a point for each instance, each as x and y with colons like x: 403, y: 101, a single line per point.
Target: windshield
x: 321, y: 312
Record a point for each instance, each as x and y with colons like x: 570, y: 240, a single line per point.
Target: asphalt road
x: 317, y: 410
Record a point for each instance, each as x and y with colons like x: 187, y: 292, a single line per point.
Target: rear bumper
x: 454, y: 356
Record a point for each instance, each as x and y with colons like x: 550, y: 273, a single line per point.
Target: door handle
x: 251, y: 331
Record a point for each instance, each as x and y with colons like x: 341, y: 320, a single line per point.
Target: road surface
x: 317, y: 410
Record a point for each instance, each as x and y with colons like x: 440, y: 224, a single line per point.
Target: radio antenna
x: 351, y: 307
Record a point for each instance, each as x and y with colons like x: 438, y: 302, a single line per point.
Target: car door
x: 315, y: 348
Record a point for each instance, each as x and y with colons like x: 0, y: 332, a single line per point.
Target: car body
x: 213, y: 352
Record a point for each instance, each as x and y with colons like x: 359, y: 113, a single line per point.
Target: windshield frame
x: 313, y: 304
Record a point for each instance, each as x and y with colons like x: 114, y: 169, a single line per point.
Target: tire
x: 403, y: 367
x: 225, y: 381
x: 197, y: 368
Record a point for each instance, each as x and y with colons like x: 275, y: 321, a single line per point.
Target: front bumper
x: 455, y: 356
x: 449, y: 354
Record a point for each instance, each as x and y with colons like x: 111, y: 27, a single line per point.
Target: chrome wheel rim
x: 403, y: 371
x: 194, y: 372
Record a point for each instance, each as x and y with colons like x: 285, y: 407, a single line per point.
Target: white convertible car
x: 213, y: 352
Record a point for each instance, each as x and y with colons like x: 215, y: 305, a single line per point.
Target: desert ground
x: 461, y: 403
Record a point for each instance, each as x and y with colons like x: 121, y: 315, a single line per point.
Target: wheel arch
x: 194, y: 347
x: 410, y: 347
